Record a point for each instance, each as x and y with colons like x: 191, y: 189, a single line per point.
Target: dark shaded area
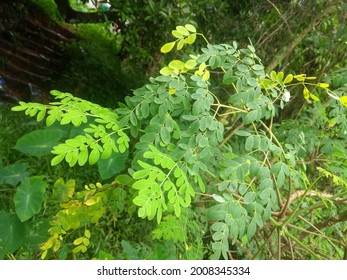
x: 31, y: 53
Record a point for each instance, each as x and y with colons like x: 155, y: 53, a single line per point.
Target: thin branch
x: 327, y: 223
x: 278, y: 11
x: 279, y: 243
x: 265, y: 242
x: 287, y: 50
x: 286, y: 205
x: 302, y: 245
x: 226, y: 139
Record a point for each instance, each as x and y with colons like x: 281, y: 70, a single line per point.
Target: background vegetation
x: 260, y: 181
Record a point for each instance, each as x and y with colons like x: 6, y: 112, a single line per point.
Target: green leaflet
x: 203, y: 129
x: 99, y: 139
x: 162, y: 187
x: 171, y: 228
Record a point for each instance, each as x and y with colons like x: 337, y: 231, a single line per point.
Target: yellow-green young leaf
x: 21, y: 107
x: 190, y: 39
x: 306, y: 93
x: 83, y: 155
x: 87, y: 233
x: 190, y: 28
x: 167, y: 47
x: 94, y: 156
x: 44, y: 254
x: 202, y: 67
x: 206, y: 75
x: 56, y: 246
x: 83, y: 248
x: 172, y: 91
x: 273, y: 75
x: 280, y: 76
x: 50, y: 120
x: 176, y: 34
x: 86, y: 242
x: 198, y: 73
x: 47, y: 245
x: 190, y: 64
x: 182, y: 30
x: 288, y: 79
x: 323, y: 85
x: 78, y: 241
x: 63, y: 191
x: 332, y: 122
x: 180, y: 44
x: 76, y: 249
x: 177, y: 64
x: 90, y: 202
x: 313, y: 97
x: 165, y: 71
x: 41, y: 115
x: 343, y: 100
x: 300, y: 77
x: 57, y: 159
x: 266, y: 83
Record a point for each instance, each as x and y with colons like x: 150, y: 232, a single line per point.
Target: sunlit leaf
x: 94, y: 156
x: 177, y: 64
x: 273, y: 76
x: 167, y: 47
x: 343, y: 100
x: 314, y: 97
x: 180, y: 44
x: 300, y: 77
x: 288, y: 79
x: 306, y: 93
x: 190, y: 64
x: 57, y: 159
x: 323, y: 85
x: 182, y: 30
x: 280, y: 76
x: 190, y: 39
x: 64, y: 191
x: 206, y: 75
x: 190, y: 28
x: 177, y: 34
x: 172, y: 91
x: 165, y: 71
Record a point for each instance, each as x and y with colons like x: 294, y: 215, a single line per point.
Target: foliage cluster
x: 207, y: 161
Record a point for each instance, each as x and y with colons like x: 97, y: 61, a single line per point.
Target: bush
x: 207, y: 162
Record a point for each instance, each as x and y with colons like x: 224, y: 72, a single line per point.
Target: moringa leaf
x: 167, y: 47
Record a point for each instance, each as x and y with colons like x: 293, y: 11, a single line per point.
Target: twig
x: 278, y: 11
x: 287, y: 50
x: 226, y: 139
